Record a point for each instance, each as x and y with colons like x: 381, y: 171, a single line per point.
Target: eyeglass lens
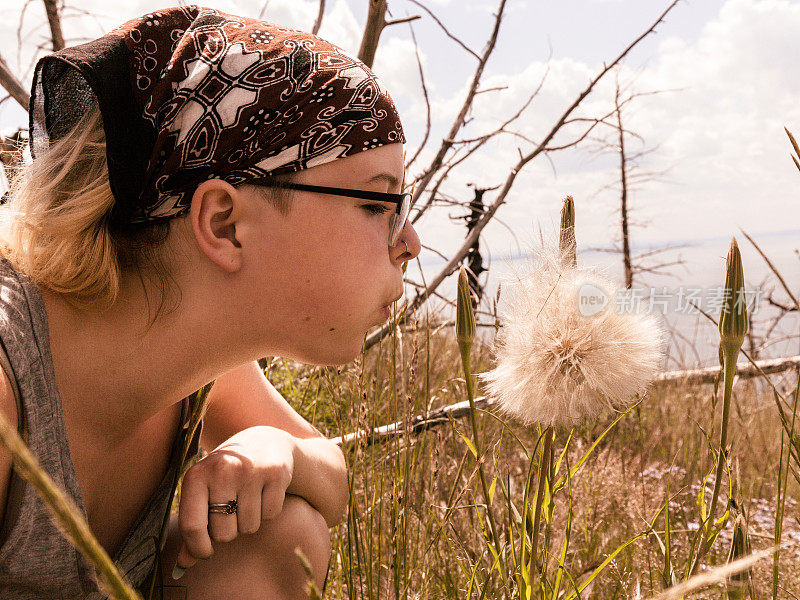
x: 399, y: 220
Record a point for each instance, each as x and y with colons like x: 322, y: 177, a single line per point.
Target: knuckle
x: 277, y: 474
x: 223, y: 464
x: 193, y: 532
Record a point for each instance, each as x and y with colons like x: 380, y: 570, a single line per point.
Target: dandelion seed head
x: 562, y: 358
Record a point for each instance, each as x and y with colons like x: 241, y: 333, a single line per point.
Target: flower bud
x: 733, y: 322
x: 465, y: 317
x: 566, y: 238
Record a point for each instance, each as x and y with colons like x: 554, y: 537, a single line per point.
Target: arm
x: 244, y: 398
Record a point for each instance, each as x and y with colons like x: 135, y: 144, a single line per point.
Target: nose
x: 404, y: 252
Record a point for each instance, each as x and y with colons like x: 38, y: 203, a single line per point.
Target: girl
x: 206, y: 190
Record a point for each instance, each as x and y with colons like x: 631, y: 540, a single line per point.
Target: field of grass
x: 417, y: 525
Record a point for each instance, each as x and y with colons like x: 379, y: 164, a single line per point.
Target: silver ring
x: 226, y: 508
x: 404, y: 242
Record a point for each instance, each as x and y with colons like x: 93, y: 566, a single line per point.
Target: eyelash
x: 376, y: 209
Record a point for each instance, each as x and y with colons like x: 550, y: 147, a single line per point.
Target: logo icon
x: 591, y: 299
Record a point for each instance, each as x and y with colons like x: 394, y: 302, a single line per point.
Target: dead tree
x: 630, y: 178
x: 474, y: 259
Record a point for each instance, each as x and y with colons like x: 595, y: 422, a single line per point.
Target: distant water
x: 698, y: 278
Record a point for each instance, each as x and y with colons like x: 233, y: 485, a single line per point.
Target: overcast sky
x: 729, y: 69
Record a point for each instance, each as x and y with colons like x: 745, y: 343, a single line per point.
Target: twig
x: 318, y: 22
x: 425, y: 96
x: 783, y: 307
x: 458, y: 123
x: 447, y: 33
x: 773, y: 269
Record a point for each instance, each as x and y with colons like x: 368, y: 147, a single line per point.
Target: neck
x: 116, y: 370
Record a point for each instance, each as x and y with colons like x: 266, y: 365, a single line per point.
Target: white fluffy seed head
x: 562, y: 357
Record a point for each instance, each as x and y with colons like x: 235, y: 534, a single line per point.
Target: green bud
x: 733, y: 322
x: 465, y: 317
x: 566, y: 239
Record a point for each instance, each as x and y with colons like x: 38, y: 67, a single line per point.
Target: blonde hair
x: 55, y: 227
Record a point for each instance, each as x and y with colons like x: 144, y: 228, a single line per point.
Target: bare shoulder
x: 8, y: 407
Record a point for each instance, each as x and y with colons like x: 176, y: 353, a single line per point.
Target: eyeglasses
x: 399, y: 218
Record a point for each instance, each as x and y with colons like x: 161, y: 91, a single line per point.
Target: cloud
x: 721, y: 136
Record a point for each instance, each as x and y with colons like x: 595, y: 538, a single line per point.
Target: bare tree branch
x: 481, y: 141
x: 318, y: 22
x: 402, y: 20
x: 13, y: 86
x: 783, y: 307
x: 446, y: 32
x: 773, y: 268
x: 51, y: 7
x: 376, y: 23
x: 447, y: 143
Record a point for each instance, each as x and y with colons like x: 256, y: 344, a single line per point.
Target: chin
x: 329, y: 357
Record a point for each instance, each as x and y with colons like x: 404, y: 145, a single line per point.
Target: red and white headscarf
x: 189, y: 94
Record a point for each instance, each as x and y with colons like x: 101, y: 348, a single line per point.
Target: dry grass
x: 414, y: 530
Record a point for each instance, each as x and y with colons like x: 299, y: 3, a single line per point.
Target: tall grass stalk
x: 783, y: 476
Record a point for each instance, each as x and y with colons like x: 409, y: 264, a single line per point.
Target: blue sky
x: 720, y: 139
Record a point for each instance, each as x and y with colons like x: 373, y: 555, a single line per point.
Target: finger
x: 272, y: 501
x: 222, y: 527
x: 249, y: 513
x: 185, y: 560
x: 193, y: 518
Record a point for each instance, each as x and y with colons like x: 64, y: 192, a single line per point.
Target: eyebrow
x: 391, y: 179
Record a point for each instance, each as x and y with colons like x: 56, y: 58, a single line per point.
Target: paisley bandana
x: 189, y: 94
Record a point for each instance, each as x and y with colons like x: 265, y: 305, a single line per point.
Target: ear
x: 214, y: 214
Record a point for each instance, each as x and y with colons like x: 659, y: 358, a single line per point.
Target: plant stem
x: 477, y: 441
x: 730, y: 353
x: 543, y: 479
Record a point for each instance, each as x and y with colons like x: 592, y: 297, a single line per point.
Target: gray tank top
x: 36, y: 562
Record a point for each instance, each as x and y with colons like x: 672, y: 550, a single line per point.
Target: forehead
x: 376, y: 165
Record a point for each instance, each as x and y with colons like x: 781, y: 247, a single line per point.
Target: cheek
x: 329, y: 267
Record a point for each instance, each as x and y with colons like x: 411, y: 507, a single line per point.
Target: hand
x: 254, y: 467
